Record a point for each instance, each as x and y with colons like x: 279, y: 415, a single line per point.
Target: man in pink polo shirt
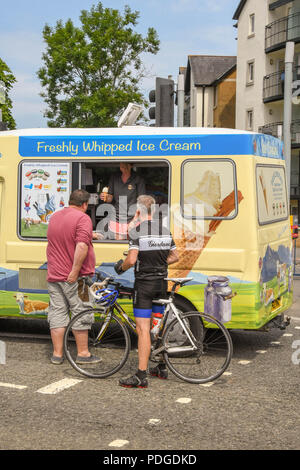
x: 70, y: 256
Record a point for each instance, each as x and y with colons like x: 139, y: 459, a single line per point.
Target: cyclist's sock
x: 142, y: 374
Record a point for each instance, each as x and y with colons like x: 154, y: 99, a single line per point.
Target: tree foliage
x: 7, y: 77
x: 92, y: 72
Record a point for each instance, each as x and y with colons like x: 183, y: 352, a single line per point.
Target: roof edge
x: 239, y: 9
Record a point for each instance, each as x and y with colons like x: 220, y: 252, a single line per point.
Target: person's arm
x: 173, y: 257
x: 130, y: 259
x: 80, y: 254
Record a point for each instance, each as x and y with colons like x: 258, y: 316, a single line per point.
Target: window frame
x: 235, y: 188
x: 248, y: 112
x: 269, y: 165
x: 19, y: 192
x: 250, y: 66
x: 251, y: 31
x: 80, y: 161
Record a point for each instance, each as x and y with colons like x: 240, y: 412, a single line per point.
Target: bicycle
x: 196, y: 347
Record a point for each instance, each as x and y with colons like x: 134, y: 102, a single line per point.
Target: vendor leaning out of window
x: 123, y: 190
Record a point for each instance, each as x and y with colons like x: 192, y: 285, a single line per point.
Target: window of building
x: 215, y: 96
x: 251, y: 24
x: 250, y: 72
x: 249, y: 119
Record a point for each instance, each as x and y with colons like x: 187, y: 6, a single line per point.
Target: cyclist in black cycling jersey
x: 151, y: 250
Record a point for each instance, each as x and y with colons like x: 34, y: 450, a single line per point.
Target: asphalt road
x: 255, y: 406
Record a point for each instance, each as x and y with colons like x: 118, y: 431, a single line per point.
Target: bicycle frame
x: 170, y: 307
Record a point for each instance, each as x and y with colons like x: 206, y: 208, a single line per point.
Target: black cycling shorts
x: 145, y: 291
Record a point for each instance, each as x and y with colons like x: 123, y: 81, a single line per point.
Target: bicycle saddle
x: 179, y: 280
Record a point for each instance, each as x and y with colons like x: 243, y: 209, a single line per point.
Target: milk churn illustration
x: 217, y: 298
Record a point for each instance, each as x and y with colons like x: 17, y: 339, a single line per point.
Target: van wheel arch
x: 184, y: 304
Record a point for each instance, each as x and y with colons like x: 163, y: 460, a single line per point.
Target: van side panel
x: 241, y: 250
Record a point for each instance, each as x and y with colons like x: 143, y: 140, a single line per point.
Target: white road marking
x: 275, y: 342
x: 18, y: 387
x: 208, y: 384
x: 118, y: 443
x: 261, y: 351
x: 297, y: 327
x: 154, y: 421
x: 184, y: 400
x: 244, y: 363
x: 227, y: 373
x: 287, y: 334
x: 57, y: 387
x: 2, y: 353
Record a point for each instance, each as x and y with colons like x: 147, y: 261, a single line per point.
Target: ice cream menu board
x: 45, y: 189
x: 271, y: 194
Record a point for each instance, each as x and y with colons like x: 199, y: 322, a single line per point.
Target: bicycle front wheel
x: 212, y: 354
x: 108, y: 341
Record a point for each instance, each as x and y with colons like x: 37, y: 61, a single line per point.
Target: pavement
x: 255, y: 405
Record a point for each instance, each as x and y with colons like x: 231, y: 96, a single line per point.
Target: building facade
x: 210, y: 89
x: 263, y: 28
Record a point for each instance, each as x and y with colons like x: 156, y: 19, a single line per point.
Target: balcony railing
x: 282, y: 30
x: 273, y: 86
x: 276, y: 130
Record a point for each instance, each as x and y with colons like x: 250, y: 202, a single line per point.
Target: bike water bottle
x: 156, y: 324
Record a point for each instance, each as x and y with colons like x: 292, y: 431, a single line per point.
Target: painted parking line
x: 18, y: 387
x: 184, y: 400
x: 59, y: 386
x: 118, y: 443
x: 154, y: 421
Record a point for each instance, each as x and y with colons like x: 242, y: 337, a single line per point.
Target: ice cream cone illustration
x: 263, y: 185
x: 27, y: 204
x: 40, y: 212
x: 50, y: 206
x: 190, y: 245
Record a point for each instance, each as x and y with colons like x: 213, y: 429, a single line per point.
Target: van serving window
x: 272, y: 203
x: 208, y: 189
x: 105, y: 175
x: 45, y: 187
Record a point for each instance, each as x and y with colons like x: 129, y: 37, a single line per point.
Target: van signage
x: 154, y: 145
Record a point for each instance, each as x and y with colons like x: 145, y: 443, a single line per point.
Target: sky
x: 184, y: 27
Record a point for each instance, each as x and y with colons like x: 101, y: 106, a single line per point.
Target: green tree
x: 7, y: 77
x: 92, y: 72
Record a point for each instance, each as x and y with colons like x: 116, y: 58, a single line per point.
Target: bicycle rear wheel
x: 108, y: 340
x: 213, y: 353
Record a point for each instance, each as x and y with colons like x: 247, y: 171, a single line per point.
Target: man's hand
x: 73, y: 276
x: 118, y: 267
x: 97, y: 236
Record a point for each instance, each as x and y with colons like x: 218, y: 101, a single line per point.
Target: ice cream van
x: 222, y: 192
